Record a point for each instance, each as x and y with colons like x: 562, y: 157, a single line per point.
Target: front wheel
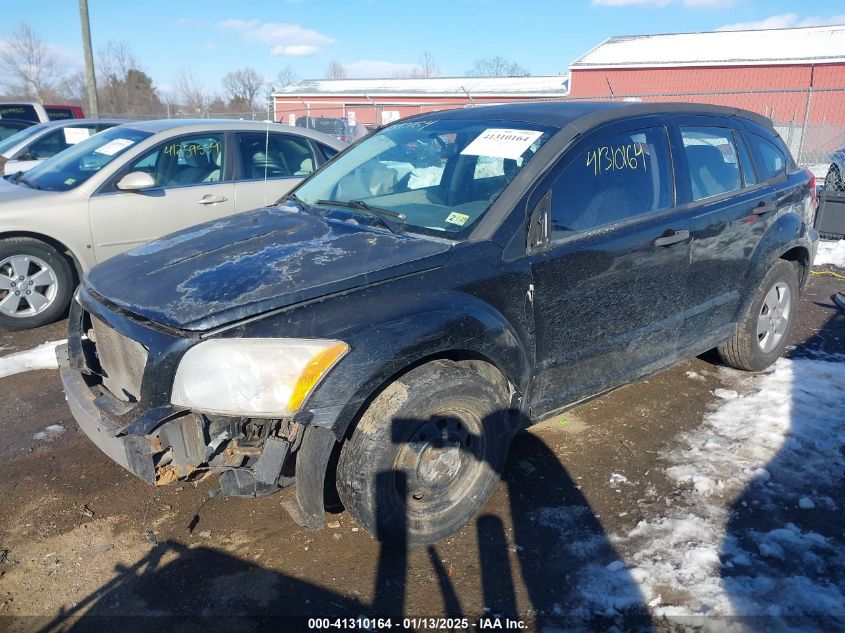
x: 36, y: 283
x: 426, y: 455
x: 761, y: 334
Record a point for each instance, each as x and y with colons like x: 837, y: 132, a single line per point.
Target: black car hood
x: 219, y: 272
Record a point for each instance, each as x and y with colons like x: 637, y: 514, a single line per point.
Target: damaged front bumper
x: 144, y: 433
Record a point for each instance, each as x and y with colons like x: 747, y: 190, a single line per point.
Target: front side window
x: 77, y: 164
x: 275, y: 156
x: 435, y: 176
x: 771, y: 161
x: 712, y: 161
x: 186, y: 160
x: 58, y: 140
x: 612, y: 179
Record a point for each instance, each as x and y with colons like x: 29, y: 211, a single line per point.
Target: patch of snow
x: 830, y: 252
x: 41, y: 357
x: 725, y: 394
x: 694, y: 376
x: 49, y: 432
x: 727, y: 545
x: 805, y: 503
x: 616, y: 478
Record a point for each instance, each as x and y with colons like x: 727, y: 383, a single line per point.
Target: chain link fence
x: 811, y: 121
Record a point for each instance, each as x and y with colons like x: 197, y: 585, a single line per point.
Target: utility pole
x: 93, y: 105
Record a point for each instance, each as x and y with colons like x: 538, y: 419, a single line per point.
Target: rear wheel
x: 833, y: 181
x: 36, y: 283
x: 761, y: 335
x: 426, y: 455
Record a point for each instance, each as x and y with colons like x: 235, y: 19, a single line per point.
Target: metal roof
x: 808, y: 45
x: 545, y: 86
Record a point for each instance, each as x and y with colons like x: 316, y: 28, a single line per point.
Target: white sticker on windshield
x: 74, y: 135
x: 113, y: 147
x: 502, y: 143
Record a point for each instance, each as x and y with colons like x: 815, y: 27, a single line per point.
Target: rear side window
x: 748, y: 175
x: 22, y: 111
x: 276, y: 156
x: 712, y: 161
x: 771, y: 160
x: 613, y: 179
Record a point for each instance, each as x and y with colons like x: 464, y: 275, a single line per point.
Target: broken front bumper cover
x: 132, y: 452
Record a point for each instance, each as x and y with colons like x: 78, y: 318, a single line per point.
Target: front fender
x: 452, y: 324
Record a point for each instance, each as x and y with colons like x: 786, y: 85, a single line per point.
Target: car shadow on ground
x: 782, y: 557
x: 180, y: 588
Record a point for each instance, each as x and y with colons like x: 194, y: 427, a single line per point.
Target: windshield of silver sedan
x: 75, y: 165
x: 432, y: 176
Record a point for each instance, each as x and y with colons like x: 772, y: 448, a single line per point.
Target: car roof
x: 71, y: 122
x: 211, y: 125
x: 586, y: 114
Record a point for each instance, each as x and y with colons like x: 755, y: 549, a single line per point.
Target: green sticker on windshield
x: 457, y: 218
x: 70, y: 181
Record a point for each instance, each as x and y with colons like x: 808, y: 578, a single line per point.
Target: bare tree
x: 242, y: 86
x: 191, y: 93
x: 27, y: 66
x: 286, y: 77
x: 124, y: 86
x: 497, y: 66
x: 428, y: 67
x: 336, y: 70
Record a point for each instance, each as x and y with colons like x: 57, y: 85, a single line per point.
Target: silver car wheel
x: 774, y: 317
x: 28, y: 286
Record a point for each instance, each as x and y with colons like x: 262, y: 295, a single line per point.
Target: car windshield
x: 433, y: 176
x: 8, y: 143
x: 75, y: 165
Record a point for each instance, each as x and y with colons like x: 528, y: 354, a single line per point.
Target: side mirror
x: 136, y: 181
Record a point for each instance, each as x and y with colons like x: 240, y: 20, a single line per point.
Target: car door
x: 193, y: 185
x: 610, y: 288
x: 732, y: 207
x: 270, y: 165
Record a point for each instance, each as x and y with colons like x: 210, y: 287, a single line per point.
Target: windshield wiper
x: 300, y: 204
x: 20, y: 179
x: 391, y: 219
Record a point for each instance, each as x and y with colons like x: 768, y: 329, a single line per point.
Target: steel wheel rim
x: 438, y: 460
x: 774, y: 317
x: 28, y: 286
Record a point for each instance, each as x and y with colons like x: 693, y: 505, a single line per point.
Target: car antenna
x: 266, y: 155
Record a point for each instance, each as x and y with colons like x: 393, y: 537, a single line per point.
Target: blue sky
x: 380, y: 37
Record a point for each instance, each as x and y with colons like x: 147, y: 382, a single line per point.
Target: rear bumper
x: 132, y: 452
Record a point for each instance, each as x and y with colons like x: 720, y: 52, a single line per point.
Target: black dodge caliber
x: 386, y: 328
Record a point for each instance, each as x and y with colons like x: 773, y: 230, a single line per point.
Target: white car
x: 128, y: 185
x: 27, y: 148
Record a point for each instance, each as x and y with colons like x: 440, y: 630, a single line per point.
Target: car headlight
x: 261, y: 377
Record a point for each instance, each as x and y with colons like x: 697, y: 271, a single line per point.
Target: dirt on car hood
x: 227, y: 270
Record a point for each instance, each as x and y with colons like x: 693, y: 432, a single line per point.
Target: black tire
x: 749, y: 350
x: 833, y: 181
x: 440, y: 433
x: 38, y: 255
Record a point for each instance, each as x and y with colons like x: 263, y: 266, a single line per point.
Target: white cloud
x: 282, y: 38
x: 783, y: 21
x: 370, y: 68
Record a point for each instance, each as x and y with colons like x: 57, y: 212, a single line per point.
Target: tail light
x: 812, y: 177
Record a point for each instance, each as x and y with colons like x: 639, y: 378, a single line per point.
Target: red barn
x: 377, y: 101
x: 794, y: 76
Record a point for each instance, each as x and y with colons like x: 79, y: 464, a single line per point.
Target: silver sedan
x: 128, y: 185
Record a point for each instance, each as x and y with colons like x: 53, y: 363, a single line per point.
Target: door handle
x: 765, y: 207
x: 209, y: 199
x: 672, y: 238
